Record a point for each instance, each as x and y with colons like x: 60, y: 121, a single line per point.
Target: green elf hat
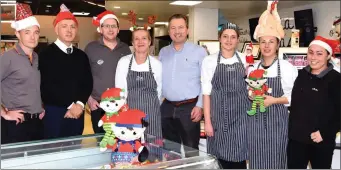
x: 113, y: 94
x: 257, y: 74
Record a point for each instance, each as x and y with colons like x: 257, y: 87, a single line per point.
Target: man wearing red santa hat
x: 104, y: 55
x: 21, y: 107
x: 66, y: 80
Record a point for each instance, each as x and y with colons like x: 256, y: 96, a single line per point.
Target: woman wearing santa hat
x: 225, y: 101
x: 141, y: 75
x: 315, y: 110
x: 267, y: 132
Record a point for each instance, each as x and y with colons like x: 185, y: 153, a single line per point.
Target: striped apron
x: 229, y: 103
x: 142, y: 95
x: 268, y: 131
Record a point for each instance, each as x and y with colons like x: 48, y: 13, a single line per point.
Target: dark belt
x: 179, y: 103
x: 31, y: 116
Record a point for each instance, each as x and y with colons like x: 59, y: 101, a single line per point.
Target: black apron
x: 229, y: 104
x: 268, y: 131
x: 143, y: 95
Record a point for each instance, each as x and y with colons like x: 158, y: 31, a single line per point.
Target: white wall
x: 324, y: 13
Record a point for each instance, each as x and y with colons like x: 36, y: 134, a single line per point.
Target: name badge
x: 314, y: 89
x: 100, y: 62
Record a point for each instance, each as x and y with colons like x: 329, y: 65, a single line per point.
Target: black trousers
x: 177, y: 128
x: 232, y: 165
x: 319, y: 155
x: 29, y: 130
x: 96, y: 115
x: 56, y: 126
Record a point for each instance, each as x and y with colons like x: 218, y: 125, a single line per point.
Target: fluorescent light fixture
x: 49, y: 6
x: 132, y: 29
x: 9, y: 2
x: 90, y: 3
x: 140, y: 18
x: 186, y: 3
x: 161, y: 23
x: 101, y: 5
x: 124, y: 13
x: 47, y: 10
x: 27, y: 2
x: 117, y: 7
x: 81, y: 13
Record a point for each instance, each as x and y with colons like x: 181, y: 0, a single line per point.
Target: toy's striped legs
x: 261, y: 105
x: 107, y: 129
x: 253, y: 108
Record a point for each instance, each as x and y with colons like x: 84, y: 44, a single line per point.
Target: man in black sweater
x: 66, y: 80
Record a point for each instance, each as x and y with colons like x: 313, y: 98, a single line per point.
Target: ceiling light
x: 124, y: 13
x: 140, y: 18
x: 161, y: 23
x: 101, y: 5
x: 9, y: 2
x: 90, y: 3
x: 117, y: 7
x: 27, y: 2
x: 81, y: 13
x: 49, y: 6
x: 47, y: 10
x: 187, y: 3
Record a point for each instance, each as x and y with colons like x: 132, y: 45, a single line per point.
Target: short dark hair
x: 178, y: 16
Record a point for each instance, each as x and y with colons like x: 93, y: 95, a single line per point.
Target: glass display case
x: 82, y: 152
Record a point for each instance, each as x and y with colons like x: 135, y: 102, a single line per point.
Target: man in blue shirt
x: 181, y: 110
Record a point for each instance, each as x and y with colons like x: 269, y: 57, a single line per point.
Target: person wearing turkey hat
x: 225, y: 101
x: 104, y: 55
x: 315, y: 110
x: 21, y: 107
x: 66, y: 80
x: 267, y: 132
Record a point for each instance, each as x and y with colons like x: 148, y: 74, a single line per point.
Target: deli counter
x: 82, y: 152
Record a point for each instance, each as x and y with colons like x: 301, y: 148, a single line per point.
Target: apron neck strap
x: 220, y: 55
x: 133, y: 57
x: 278, y: 66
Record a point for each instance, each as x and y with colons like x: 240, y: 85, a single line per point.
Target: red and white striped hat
x: 24, y: 17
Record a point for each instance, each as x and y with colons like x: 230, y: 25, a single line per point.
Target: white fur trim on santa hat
x: 322, y: 44
x: 107, y: 17
x: 25, y: 23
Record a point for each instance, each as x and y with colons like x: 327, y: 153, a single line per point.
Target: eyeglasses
x: 109, y: 26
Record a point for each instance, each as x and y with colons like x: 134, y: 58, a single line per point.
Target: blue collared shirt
x: 181, y: 72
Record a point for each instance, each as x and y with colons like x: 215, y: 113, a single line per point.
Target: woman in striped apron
x: 268, y: 131
x: 140, y: 74
x: 226, y: 101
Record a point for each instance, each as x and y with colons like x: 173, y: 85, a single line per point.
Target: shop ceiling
x: 162, y: 9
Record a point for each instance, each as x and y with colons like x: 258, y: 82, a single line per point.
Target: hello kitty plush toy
x: 112, y: 102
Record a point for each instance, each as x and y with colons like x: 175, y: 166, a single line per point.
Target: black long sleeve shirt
x: 315, y: 106
x: 65, y: 78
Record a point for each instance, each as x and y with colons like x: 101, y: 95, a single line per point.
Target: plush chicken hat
x: 24, y: 17
x: 257, y: 74
x: 98, y: 21
x: 131, y: 119
x: 269, y: 23
x: 64, y: 14
x: 113, y: 94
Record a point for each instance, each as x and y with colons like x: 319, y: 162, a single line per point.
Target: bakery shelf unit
x: 82, y: 152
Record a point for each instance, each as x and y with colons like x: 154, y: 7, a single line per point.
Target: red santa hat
x: 98, y: 21
x: 249, y: 47
x: 113, y: 94
x: 24, y: 17
x: 327, y: 44
x: 257, y: 74
x: 130, y: 119
x: 64, y: 14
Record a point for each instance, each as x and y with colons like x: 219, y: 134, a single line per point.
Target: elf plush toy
x: 249, y: 57
x: 129, y: 129
x: 112, y: 102
x: 257, y: 89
